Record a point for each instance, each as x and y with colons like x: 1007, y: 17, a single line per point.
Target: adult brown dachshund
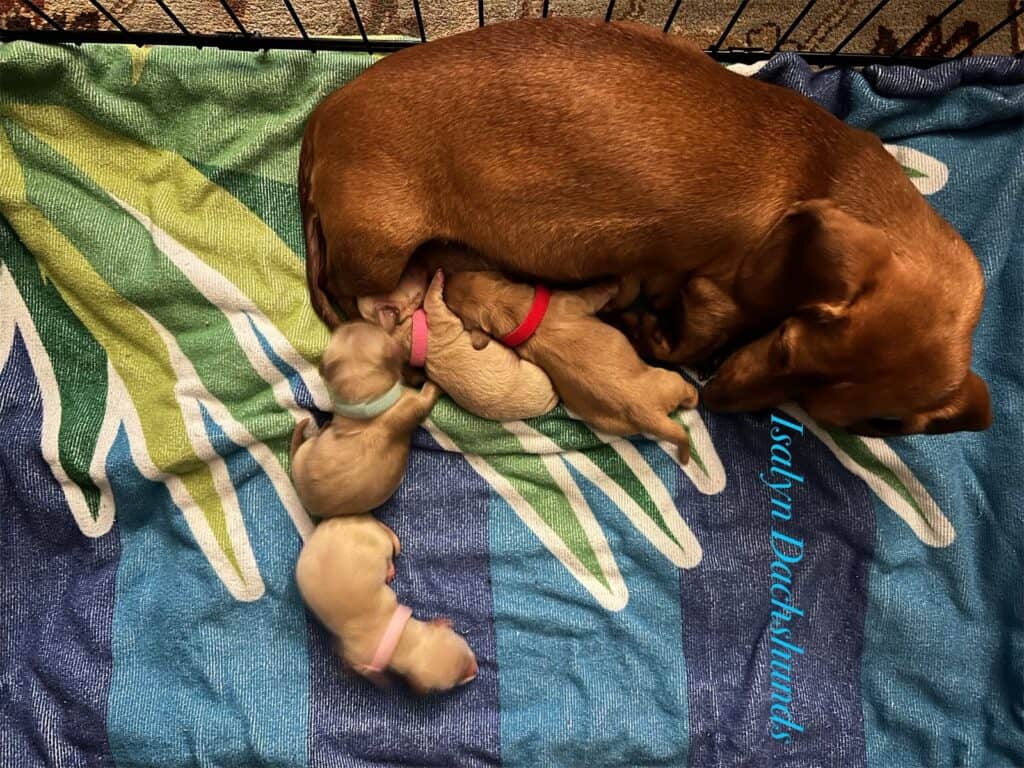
x: 570, y: 150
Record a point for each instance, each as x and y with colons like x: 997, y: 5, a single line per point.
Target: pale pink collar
x: 389, y: 640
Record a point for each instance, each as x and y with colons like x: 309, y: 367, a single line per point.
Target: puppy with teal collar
x: 357, y: 461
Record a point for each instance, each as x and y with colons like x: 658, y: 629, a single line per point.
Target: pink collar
x: 389, y: 640
x: 526, y: 329
x: 418, y: 351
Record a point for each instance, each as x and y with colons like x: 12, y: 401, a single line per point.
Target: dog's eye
x: 886, y: 424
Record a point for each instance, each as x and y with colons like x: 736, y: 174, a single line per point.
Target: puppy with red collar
x: 343, y: 574
x: 487, y: 379
x: 595, y: 370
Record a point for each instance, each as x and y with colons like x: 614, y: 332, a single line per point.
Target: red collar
x: 526, y: 329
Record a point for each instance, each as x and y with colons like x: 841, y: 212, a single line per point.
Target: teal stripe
x: 200, y: 679
x: 580, y: 685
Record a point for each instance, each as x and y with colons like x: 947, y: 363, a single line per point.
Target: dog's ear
x: 379, y: 679
x: 387, y: 317
x: 758, y: 375
x: 970, y: 409
x: 479, y: 339
x: 830, y: 257
x: 442, y: 621
x: 597, y: 297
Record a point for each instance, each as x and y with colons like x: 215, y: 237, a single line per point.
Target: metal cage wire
x: 245, y: 39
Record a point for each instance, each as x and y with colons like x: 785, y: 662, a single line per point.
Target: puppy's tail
x: 316, y: 275
x: 298, y: 438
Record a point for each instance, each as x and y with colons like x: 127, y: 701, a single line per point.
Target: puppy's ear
x: 442, y: 621
x: 831, y: 257
x: 597, y: 297
x: 479, y: 339
x: 387, y: 318
x: 379, y: 679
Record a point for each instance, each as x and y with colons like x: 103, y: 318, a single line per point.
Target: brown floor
x: 828, y: 22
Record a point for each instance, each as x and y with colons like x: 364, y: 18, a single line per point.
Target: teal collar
x: 372, y: 408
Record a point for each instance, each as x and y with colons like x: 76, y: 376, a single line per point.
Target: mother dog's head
x: 880, y: 338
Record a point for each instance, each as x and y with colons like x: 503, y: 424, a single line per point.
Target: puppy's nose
x: 471, y: 672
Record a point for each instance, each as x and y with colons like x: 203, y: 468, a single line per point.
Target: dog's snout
x: 471, y: 672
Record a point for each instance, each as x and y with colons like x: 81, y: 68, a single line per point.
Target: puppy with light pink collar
x: 343, y: 575
x: 492, y: 382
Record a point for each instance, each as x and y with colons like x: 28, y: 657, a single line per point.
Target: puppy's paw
x: 683, y: 451
x: 689, y: 397
x: 434, y: 300
x: 430, y: 391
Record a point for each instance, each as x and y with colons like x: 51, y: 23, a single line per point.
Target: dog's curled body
x: 571, y: 150
x: 354, y: 465
x: 594, y: 369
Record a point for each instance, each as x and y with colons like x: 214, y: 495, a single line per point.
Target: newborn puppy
x: 390, y: 309
x: 595, y: 370
x: 492, y: 382
x: 357, y: 461
x: 343, y: 573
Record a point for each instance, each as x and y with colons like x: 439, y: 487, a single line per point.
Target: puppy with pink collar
x: 343, y: 574
x: 492, y: 382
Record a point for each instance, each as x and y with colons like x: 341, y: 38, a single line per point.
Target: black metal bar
x: 979, y: 40
x: 728, y: 27
x: 234, y: 17
x: 480, y: 12
x: 41, y: 14
x: 359, y: 25
x: 419, y: 20
x: 295, y: 18
x: 356, y: 45
x: 929, y: 26
x: 608, y: 13
x: 671, y: 15
x: 860, y: 25
x: 172, y: 17
x: 792, y: 27
x: 544, y: 10
x: 110, y: 17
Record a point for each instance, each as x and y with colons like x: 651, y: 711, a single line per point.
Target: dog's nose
x: 471, y: 672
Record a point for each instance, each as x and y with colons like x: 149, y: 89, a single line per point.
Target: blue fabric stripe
x: 201, y: 679
x: 56, y: 599
x: 944, y: 666
x: 440, y: 515
x: 580, y: 685
x: 295, y: 382
x: 726, y: 608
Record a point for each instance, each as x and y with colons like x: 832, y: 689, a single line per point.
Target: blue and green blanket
x: 157, y: 348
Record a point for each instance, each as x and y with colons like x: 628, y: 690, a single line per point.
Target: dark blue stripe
x: 726, y: 608
x: 56, y: 599
x: 441, y: 517
x: 831, y: 87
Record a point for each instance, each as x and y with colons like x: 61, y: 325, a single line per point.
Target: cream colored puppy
x: 493, y: 382
x: 343, y: 573
x: 594, y: 368
x: 357, y: 461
